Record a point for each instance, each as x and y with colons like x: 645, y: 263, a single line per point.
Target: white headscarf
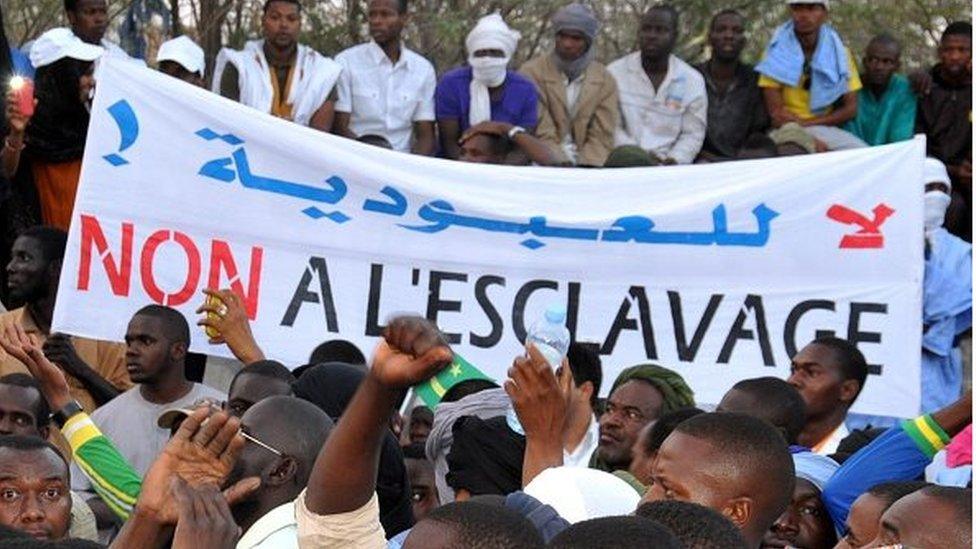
x: 491, y: 33
x: 936, y: 202
x: 579, y: 494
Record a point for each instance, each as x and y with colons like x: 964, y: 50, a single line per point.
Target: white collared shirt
x: 669, y: 121
x: 830, y: 444
x: 276, y: 529
x: 383, y: 98
x: 573, y: 91
x: 580, y: 457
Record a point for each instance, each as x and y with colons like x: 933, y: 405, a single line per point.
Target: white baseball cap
x: 184, y: 51
x: 57, y: 44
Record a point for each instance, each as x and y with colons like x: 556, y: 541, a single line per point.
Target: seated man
x: 256, y: 382
x: 639, y: 396
x: 806, y: 72
x: 493, y: 142
x: 947, y: 295
x: 95, y: 369
x: 386, y: 89
x: 279, y: 76
x: 157, y: 340
x: 485, y: 90
x: 829, y: 373
x: 88, y: 20
x: 935, y: 516
x: 35, y: 486
x: 735, y: 102
x: 182, y: 58
x: 577, y: 96
x: 944, y: 116
x: 770, y: 399
x: 886, y: 104
x: 663, y: 103
x: 735, y: 464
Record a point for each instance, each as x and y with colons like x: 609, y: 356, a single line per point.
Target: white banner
x: 719, y: 271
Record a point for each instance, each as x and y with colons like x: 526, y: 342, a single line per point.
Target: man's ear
x: 283, y: 471
x: 177, y: 351
x: 739, y: 511
x: 54, y: 273
x: 586, y: 390
x: 848, y: 390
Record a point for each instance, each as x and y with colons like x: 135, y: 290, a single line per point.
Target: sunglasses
x: 268, y: 447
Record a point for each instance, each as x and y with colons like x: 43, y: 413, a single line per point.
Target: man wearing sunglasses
x: 809, y: 77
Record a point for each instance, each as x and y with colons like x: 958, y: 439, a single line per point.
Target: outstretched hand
x: 201, y: 453
x: 27, y: 349
x: 412, y: 351
x: 226, y: 317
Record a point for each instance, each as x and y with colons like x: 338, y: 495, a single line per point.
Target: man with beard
x: 735, y: 103
x: 95, y: 369
x: 886, y: 104
x: 578, y: 108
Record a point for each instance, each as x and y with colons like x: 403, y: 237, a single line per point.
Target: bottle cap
x: 556, y: 314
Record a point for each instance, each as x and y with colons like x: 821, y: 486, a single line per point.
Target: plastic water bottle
x: 551, y: 338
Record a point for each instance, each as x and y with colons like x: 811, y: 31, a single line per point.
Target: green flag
x: 433, y: 390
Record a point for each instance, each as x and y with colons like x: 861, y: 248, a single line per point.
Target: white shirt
x: 580, y: 457
x: 829, y: 445
x: 669, y: 121
x: 383, y: 98
x: 573, y: 91
x: 276, y: 529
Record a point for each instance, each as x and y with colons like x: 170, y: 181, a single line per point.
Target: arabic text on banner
x: 719, y: 271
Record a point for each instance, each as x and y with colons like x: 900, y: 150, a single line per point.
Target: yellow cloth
x: 280, y: 106
x: 797, y: 99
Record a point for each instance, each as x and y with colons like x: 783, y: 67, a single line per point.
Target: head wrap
x: 491, y: 33
x: 580, y: 18
x: 486, y: 457
x: 484, y: 404
x: 814, y: 468
x: 629, y: 156
x: 936, y: 201
x: 672, y: 386
x: 794, y: 133
x: 331, y: 386
x: 579, y: 494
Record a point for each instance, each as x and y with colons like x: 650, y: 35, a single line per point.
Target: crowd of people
x: 119, y: 444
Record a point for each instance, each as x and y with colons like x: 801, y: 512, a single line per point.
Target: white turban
x: 491, y: 33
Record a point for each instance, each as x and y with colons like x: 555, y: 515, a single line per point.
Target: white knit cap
x: 935, y: 172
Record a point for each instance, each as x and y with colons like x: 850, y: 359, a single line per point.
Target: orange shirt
x: 106, y: 358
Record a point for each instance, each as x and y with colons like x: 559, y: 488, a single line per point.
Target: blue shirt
x: 519, y: 104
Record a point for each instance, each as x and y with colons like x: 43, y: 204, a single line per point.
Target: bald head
x: 295, y: 427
